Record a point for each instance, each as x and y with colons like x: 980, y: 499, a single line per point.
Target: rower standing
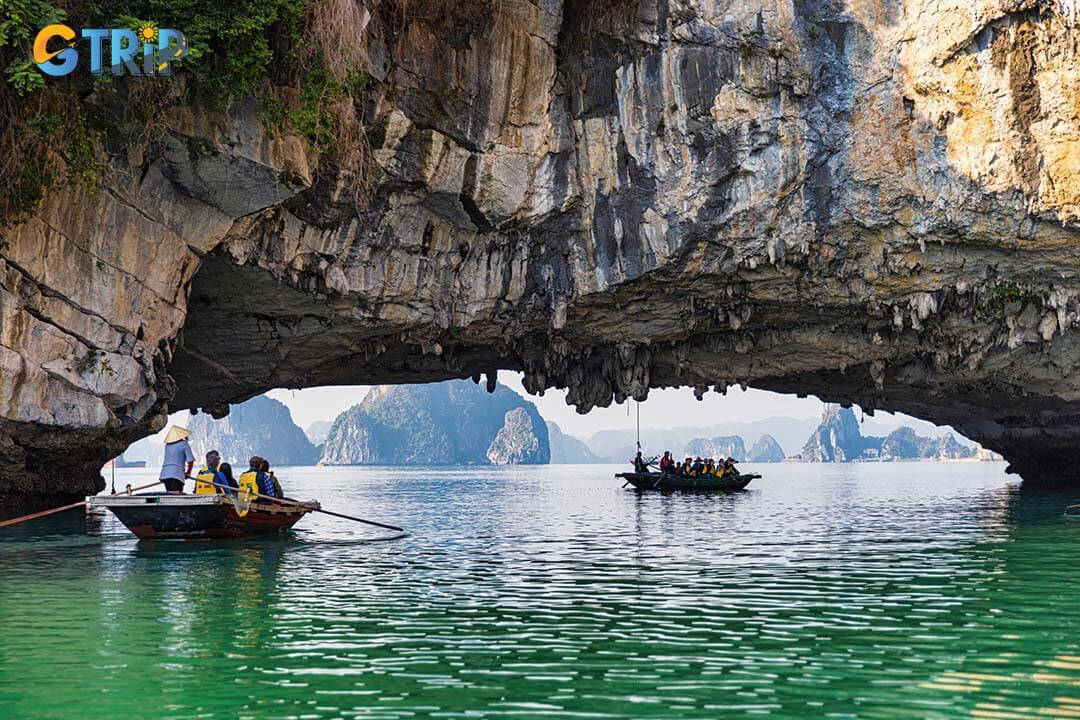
x: 178, y: 461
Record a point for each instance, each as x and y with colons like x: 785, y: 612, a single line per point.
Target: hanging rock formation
x: 875, y: 202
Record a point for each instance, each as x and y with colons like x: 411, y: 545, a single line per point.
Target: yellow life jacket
x: 249, y: 481
x: 203, y: 480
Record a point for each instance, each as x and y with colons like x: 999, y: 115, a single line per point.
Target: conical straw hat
x: 176, y: 433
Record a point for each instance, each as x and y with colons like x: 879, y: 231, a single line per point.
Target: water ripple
x: 847, y: 591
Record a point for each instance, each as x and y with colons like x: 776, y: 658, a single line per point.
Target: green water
x: 844, y: 591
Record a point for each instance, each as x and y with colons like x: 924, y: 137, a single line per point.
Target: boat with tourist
x: 160, y: 515
x: 668, y: 482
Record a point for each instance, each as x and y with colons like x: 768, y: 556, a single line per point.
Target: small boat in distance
x: 199, y: 517
x: 665, y: 482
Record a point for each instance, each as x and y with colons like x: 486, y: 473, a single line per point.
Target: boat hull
x: 197, y: 517
x: 671, y: 483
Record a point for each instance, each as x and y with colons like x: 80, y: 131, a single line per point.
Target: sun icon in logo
x: 148, y: 32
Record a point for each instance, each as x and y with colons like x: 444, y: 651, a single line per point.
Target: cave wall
x: 875, y: 202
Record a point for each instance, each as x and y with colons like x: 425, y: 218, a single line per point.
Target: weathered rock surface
x: 766, y: 450
x: 717, y: 447
x: 518, y: 442
x: 837, y: 438
x: 449, y: 423
x: 873, y: 202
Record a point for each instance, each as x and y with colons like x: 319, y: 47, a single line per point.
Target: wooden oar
x: 297, y: 503
x: 62, y: 508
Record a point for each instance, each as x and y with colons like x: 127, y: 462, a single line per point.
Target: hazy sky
x: 664, y: 408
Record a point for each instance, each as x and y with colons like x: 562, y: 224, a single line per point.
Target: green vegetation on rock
x: 1004, y: 294
x: 50, y: 128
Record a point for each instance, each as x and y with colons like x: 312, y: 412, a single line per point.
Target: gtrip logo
x: 148, y: 51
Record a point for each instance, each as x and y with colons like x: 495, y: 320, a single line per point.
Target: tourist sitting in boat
x: 227, y: 473
x: 256, y: 480
x: 729, y: 467
x: 667, y: 463
x: 178, y: 461
x: 687, y: 464
x: 209, y: 480
x: 710, y: 467
x: 697, y: 468
x: 273, y: 478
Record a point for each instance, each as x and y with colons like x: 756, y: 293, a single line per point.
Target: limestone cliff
x: 766, y: 449
x: 261, y: 426
x: 717, y: 447
x: 873, y: 202
x: 839, y: 439
x: 904, y: 444
x: 447, y: 423
x: 518, y: 441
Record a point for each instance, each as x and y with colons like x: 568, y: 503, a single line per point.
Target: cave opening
x: 421, y: 424
x: 250, y: 330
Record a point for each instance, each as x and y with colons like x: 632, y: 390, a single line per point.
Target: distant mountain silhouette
x: 618, y: 445
x: 318, y: 430
x: 567, y: 449
x: 260, y: 426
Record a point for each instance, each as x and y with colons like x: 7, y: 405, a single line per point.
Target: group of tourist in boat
x: 215, y: 477
x: 696, y: 467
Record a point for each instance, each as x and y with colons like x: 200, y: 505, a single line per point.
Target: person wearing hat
x: 179, y: 460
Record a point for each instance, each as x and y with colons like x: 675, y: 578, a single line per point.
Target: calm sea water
x: 873, y: 591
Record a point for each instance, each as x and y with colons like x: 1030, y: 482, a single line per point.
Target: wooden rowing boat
x: 199, y: 517
x: 705, y: 483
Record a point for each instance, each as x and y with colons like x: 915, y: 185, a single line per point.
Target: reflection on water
x: 853, y: 591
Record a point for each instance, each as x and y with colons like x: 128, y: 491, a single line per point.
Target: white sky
x: 664, y: 408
